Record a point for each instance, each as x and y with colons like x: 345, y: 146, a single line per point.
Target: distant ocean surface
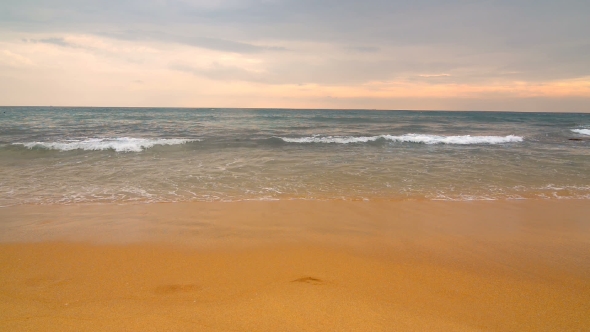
x: 98, y: 155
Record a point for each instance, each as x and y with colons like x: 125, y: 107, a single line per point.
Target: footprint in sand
x: 309, y: 280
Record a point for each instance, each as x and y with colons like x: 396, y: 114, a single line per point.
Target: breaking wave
x: 119, y: 144
x: 582, y: 131
x: 408, y: 138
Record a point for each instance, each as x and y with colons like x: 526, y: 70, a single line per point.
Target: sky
x: 372, y: 54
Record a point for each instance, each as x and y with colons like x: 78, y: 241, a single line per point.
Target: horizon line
x: 295, y: 109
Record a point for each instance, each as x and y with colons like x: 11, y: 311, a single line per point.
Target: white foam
x: 119, y: 144
x: 409, y: 138
x: 331, y: 139
x: 582, y: 131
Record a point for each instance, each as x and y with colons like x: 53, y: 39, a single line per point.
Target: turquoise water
x: 72, y: 155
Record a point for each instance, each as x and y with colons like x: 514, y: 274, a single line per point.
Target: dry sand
x: 297, y: 266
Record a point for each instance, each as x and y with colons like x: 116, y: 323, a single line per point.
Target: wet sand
x: 297, y: 266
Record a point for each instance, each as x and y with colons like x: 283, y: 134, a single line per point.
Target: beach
x: 385, y: 265
x: 293, y: 220
x: 294, y: 166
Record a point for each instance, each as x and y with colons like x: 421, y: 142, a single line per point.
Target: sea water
x: 55, y: 155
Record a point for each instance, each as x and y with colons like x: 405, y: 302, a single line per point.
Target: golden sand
x: 297, y: 266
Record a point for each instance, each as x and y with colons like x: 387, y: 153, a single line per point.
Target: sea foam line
x: 582, y: 131
x: 408, y: 138
x: 119, y: 144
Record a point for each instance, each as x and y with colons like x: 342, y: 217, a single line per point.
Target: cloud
x: 227, y: 45
x: 294, y: 71
x: 434, y: 75
x: 52, y: 41
x: 221, y: 72
x: 14, y: 60
x: 449, y: 47
x: 363, y: 49
x: 210, y: 43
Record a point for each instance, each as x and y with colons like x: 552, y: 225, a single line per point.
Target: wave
x: 119, y: 144
x: 582, y: 131
x: 408, y: 138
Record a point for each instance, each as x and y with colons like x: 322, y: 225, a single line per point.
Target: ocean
x: 57, y: 155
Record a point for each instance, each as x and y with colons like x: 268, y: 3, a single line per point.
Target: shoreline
x: 310, y: 220
x: 297, y: 265
x: 530, y: 196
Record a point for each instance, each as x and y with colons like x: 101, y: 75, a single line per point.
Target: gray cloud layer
x: 370, y: 40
